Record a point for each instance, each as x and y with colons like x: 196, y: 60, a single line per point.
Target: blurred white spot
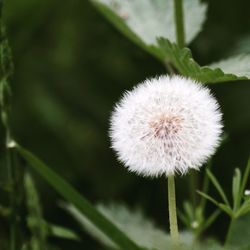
x: 11, y: 144
x: 247, y: 192
x: 194, y: 224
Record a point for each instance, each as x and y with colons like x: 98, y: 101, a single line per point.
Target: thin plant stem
x: 229, y: 231
x: 12, y: 200
x: 6, y: 69
x: 179, y: 23
x: 205, y: 187
x: 11, y: 174
x: 172, y: 213
x: 179, y: 30
x: 169, y: 68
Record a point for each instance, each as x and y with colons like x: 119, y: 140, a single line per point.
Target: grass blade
x: 61, y: 232
x: 205, y: 186
x: 236, y: 189
x: 183, y: 218
x: 189, y: 210
x: 208, y: 198
x: 226, y: 209
x: 245, y: 178
x: 244, y: 207
x: 210, y: 220
x: 74, y: 197
x: 218, y: 187
x: 35, y: 219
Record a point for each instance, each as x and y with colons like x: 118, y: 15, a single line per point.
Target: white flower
x: 166, y: 125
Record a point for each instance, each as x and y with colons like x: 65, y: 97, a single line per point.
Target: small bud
x: 194, y: 224
x: 11, y: 144
x: 247, y: 192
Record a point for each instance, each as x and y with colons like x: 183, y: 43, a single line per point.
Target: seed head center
x: 164, y: 125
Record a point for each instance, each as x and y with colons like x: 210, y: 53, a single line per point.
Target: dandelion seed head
x: 166, y: 125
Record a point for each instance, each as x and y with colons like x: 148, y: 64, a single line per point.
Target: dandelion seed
x: 166, y: 125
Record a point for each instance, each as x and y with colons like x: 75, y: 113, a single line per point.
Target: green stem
x: 169, y: 68
x: 229, y: 231
x: 13, y: 177
x: 12, y: 200
x: 172, y: 213
x: 205, y: 187
x: 179, y: 23
x: 178, y: 9
x: 6, y: 69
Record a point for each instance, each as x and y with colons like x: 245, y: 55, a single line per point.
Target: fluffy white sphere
x: 166, y: 125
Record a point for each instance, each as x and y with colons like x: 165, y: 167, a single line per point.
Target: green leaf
x: 134, y: 223
x: 238, y: 65
x: 144, y: 22
x: 209, y: 220
x: 245, y: 178
x: 140, y: 228
x: 40, y: 229
x: 74, y: 197
x: 236, y: 189
x: 150, y: 19
x: 217, y: 186
x: 222, y: 206
x: 184, y: 219
x: 208, y: 197
x: 226, y: 209
x: 183, y: 61
x: 35, y: 218
x: 205, y: 186
x: 61, y: 232
x: 189, y: 210
x: 121, y: 26
x: 199, y: 214
x: 52, y: 230
x: 239, y: 234
x: 118, y: 23
x: 209, y: 244
x: 245, y: 209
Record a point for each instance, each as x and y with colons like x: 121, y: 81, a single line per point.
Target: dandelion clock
x: 166, y: 126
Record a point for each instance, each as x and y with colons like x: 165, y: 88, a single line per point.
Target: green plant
x: 172, y: 31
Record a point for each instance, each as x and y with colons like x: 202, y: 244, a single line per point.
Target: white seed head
x: 166, y: 125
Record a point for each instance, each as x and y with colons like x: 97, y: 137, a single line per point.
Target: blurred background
x: 72, y: 65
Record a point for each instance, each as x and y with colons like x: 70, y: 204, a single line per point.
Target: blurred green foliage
x: 72, y: 65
